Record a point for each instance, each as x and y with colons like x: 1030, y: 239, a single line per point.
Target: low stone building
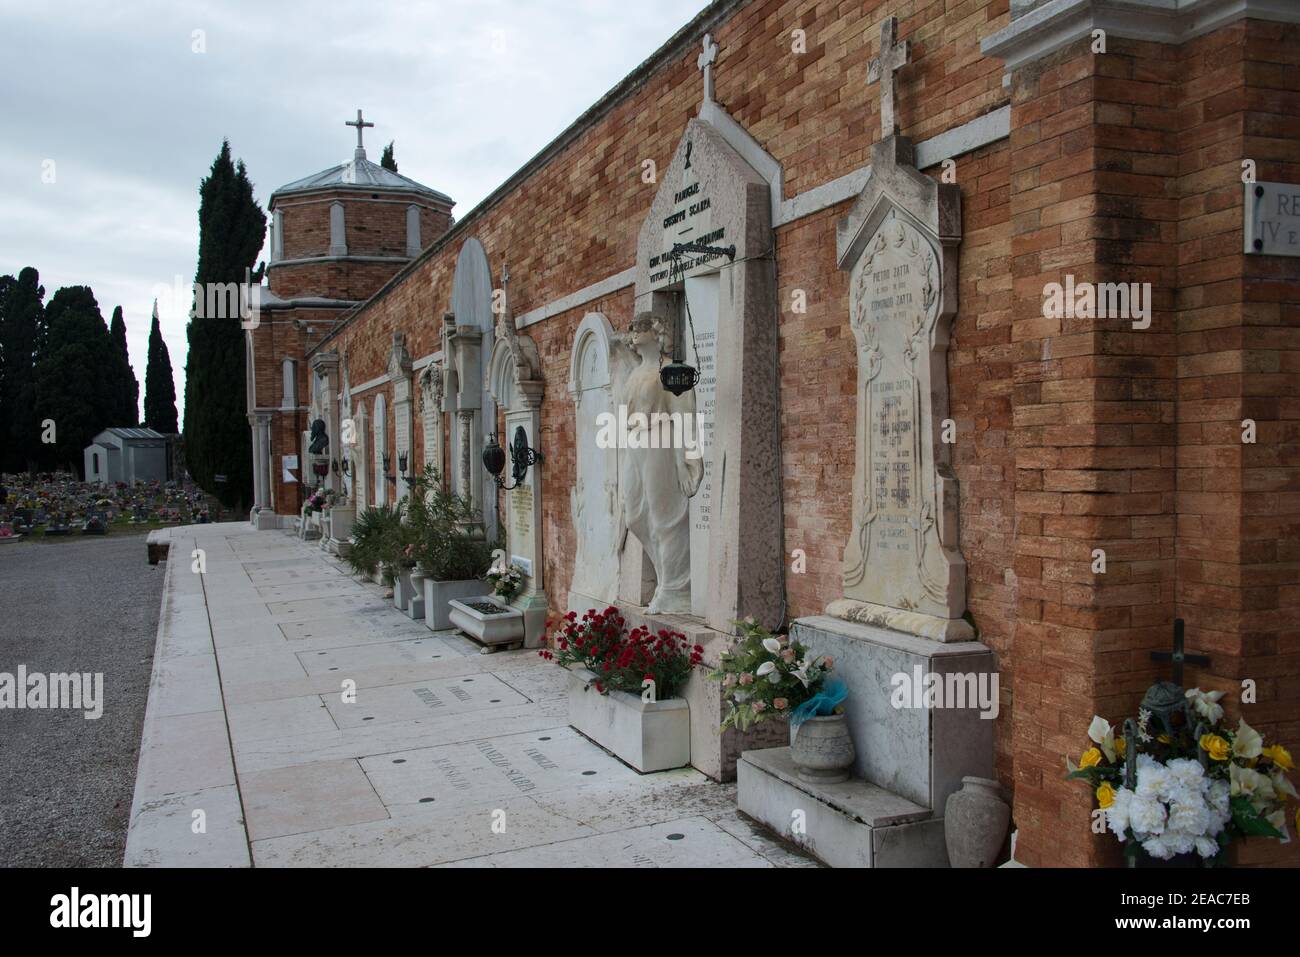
x: 994, y: 317
x: 131, y: 455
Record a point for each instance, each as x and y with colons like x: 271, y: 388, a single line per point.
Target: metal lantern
x: 521, y: 457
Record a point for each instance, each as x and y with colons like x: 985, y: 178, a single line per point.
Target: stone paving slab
x: 313, y: 724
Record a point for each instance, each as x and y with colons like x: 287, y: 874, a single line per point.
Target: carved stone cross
x: 705, y: 63
x: 893, y: 55
x: 360, y: 124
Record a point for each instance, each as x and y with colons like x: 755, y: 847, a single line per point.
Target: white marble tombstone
x: 467, y: 360
x: 360, y: 457
x: 902, y: 568
x: 594, y: 498
x: 711, y: 196
x: 399, y: 375
x: 431, y: 413
x: 381, y: 447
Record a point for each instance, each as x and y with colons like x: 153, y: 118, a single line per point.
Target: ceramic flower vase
x: 975, y: 821
x: 822, y: 749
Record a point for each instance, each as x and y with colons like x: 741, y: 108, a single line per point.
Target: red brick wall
x: 1127, y: 167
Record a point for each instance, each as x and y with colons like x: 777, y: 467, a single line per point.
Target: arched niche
x: 360, y: 459
x: 593, y: 499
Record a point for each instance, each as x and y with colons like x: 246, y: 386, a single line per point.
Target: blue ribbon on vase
x: 823, y: 703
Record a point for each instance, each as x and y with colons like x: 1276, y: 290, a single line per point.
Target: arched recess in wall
x: 471, y: 301
x: 593, y: 499
x: 381, y: 446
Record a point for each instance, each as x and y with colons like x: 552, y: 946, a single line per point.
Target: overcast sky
x: 114, y: 102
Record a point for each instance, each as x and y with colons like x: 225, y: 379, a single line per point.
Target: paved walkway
x: 445, y: 757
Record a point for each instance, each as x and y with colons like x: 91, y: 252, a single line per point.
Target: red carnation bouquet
x: 623, y: 660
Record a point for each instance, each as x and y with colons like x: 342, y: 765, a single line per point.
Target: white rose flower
x: 1117, y: 813
x: 1154, y: 781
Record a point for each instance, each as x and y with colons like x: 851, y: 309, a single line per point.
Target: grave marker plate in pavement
x: 422, y: 699
x: 473, y: 772
x: 422, y: 650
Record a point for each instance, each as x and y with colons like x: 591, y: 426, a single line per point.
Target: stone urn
x: 418, y: 575
x: 822, y: 749
x: 975, y: 821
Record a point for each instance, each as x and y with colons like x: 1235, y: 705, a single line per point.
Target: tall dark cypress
x: 22, y: 321
x: 77, y: 378
x: 231, y: 229
x: 128, y: 400
x: 388, y: 161
x: 159, y: 388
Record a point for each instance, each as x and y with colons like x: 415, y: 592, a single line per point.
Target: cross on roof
x: 705, y: 63
x: 360, y: 124
x: 893, y: 55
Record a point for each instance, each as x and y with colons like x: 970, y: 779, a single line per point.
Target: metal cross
x: 705, y: 63
x: 1178, y: 656
x: 893, y: 55
x: 360, y: 124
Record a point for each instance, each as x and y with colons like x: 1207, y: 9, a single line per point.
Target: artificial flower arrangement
x: 506, y: 578
x: 772, y: 676
x: 620, y: 659
x: 1193, y: 788
x: 320, y: 501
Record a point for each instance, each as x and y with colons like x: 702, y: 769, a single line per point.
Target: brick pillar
x: 1093, y: 196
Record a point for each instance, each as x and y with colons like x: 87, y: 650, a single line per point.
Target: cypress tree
x: 128, y: 404
x: 78, y: 379
x: 231, y: 230
x: 22, y: 321
x: 388, y: 161
x: 159, y: 388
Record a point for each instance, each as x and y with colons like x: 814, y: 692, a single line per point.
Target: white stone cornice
x: 1058, y: 23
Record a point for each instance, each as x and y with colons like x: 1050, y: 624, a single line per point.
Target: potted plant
x: 1178, y: 791
x: 375, y: 540
x: 624, y: 686
x: 446, y: 544
x: 766, y: 676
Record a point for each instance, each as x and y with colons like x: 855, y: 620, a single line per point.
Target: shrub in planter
x: 620, y: 659
x: 376, y: 539
x: 441, y: 532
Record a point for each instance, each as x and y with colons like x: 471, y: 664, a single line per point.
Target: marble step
x: 850, y: 824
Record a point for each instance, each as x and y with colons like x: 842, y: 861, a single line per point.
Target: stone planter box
x: 504, y: 626
x: 650, y: 736
x: 438, y: 596
x: 402, y: 588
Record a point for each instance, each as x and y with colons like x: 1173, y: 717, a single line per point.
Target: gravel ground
x: 87, y: 605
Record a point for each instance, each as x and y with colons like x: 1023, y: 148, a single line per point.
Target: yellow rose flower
x: 1105, y: 795
x: 1162, y: 738
x: 1279, y: 756
x: 1216, y: 747
x: 1120, y: 746
x: 1091, y: 758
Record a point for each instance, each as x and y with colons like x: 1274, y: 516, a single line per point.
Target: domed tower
x: 336, y: 238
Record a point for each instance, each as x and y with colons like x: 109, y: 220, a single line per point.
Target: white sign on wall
x: 1272, y: 219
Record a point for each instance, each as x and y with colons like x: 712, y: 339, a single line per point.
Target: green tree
x: 388, y: 161
x: 77, y: 377
x: 128, y: 404
x: 159, y: 388
x: 231, y: 230
x: 22, y: 321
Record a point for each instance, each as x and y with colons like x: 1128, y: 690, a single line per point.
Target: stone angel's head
x: 647, y: 328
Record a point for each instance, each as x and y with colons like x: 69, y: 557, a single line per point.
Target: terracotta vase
x: 822, y: 749
x: 975, y: 821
